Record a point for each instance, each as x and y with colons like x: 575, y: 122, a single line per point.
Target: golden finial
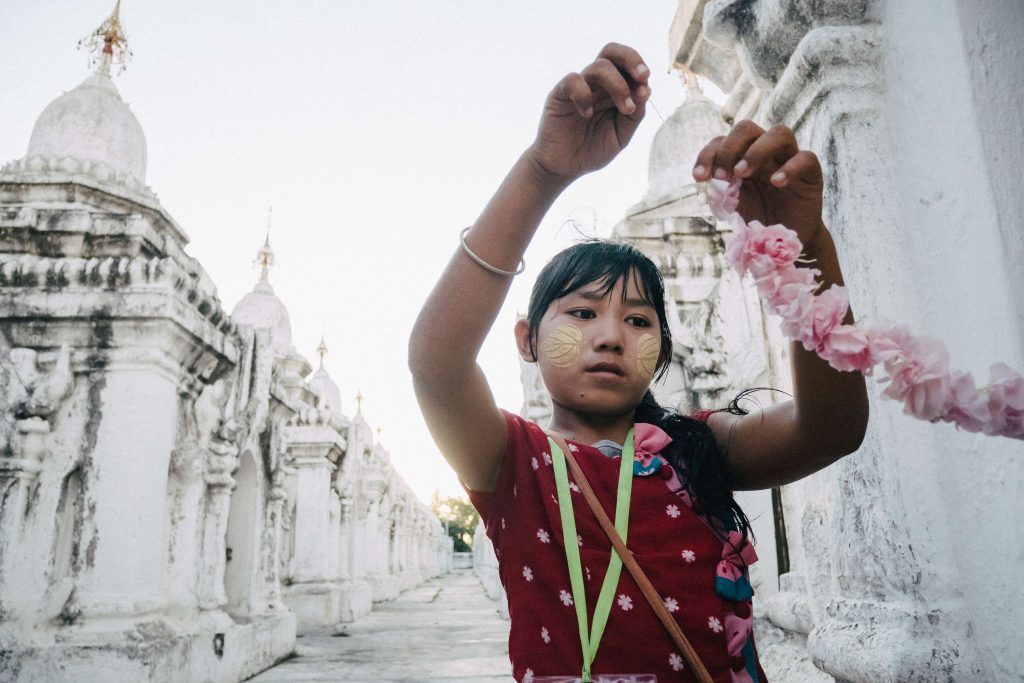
x: 359, y: 402
x: 322, y: 350
x: 108, y: 45
x: 265, y: 257
x: 690, y: 79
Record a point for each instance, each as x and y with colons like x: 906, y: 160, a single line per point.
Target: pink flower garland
x: 917, y: 367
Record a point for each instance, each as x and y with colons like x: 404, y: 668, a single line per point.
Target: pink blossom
x: 889, y: 341
x: 847, y: 348
x: 771, y: 248
x: 723, y: 197
x: 920, y: 378
x: 826, y: 311
x: 736, y: 245
x: 780, y: 287
x: 794, y: 309
x: 966, y: 408
x: 1006, y: 402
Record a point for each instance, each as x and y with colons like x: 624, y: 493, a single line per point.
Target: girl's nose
x: 608, y: 337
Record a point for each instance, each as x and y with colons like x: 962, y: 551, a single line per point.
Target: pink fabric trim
x: 733, y: 560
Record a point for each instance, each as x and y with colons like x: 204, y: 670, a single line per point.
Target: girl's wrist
x: 818, y: 250
x: 541, y: 176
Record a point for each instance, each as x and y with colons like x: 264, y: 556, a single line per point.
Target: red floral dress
x: 701, y: 578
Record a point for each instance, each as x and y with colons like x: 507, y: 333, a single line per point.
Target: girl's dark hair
x: 693, y: 453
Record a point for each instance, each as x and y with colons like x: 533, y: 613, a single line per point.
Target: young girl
x: 597, y: 328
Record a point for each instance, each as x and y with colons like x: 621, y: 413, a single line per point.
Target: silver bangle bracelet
x: 485, y: 264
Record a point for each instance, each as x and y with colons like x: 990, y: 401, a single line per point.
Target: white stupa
x: 322, y: 384
x: 680, y: 139
x: 89, y: 134
x: 261, y: 309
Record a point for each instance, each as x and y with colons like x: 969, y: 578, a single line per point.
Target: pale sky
x: 376, y: 130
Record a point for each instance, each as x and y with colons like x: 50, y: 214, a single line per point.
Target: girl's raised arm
x: 588, y: 118
x: 828, y: 414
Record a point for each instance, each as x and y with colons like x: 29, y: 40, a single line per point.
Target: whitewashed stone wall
x: 902, y: 558
x: 176, y: 495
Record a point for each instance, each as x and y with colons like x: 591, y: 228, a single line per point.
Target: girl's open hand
x: 590, y: 116
x: 781, y: 183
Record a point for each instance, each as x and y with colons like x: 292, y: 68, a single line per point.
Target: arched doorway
x: 240, y: 546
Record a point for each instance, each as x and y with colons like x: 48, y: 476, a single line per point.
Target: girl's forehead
x: 625, y: 289
x: 604, y: 288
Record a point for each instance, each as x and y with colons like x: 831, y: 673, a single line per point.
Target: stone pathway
x: 445, y: 630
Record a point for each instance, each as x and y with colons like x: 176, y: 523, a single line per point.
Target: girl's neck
x: 588, y: 429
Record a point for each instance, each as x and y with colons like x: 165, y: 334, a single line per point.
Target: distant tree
x: 459, y: 517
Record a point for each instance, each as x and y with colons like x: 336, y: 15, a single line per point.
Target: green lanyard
x: 590, y: 640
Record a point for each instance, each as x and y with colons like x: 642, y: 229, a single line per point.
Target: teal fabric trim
x: 737, y: 591
x: 750, y: 660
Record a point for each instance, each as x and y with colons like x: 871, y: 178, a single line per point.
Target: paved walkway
x: 445, y: 630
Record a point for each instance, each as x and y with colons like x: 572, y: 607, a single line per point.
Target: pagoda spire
x: 265, y: 256
x: 691, y: 82
x: 322, y: 351
x: 108, y: 44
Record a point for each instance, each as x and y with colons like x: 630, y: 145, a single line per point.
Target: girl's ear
x: 523, y: 340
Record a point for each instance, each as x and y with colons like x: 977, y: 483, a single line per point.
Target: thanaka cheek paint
x: 562, y: 346
x: 648, y: 348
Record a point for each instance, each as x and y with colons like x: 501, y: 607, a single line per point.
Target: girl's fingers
x: 801, y: 173
x: 575, y: 89
x: 627, y: 60
x: 704, y: 166
x: 733, y: 147
x: 767, y: 153
x: 603, y: 75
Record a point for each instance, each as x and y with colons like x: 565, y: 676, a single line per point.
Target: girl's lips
x: 606, y: 368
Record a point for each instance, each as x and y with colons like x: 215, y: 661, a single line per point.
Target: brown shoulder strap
x: 650, y: 593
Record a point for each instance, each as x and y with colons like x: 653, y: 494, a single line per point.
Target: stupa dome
x: 92, y: 125
x: 262, y: 310
x: 322, y: 384
x: 679, y: 140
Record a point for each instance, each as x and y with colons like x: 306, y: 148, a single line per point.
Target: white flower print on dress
x: 502, y: 522
x: 544, y: 536
x: 689, y: 556
x: 675, y: 661
x: 527, y: 573
x: 574, y: 487
x: 579, y: 540
x: 544, y: 635
x: 625, y: 602
x: 528, y: 676
x: 566, y: 597
x: 587, y: 569
x: 671, y: 604
x: 534, y: 464
x: 573, y: 448
x: 672, y: 511
x: 547, y: 458
x: 714, y: 624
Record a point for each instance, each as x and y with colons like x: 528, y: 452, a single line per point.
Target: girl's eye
x: 637, y: 321
x: 582, y: 314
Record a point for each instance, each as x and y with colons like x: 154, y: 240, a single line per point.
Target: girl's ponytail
x: 694, y: 455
